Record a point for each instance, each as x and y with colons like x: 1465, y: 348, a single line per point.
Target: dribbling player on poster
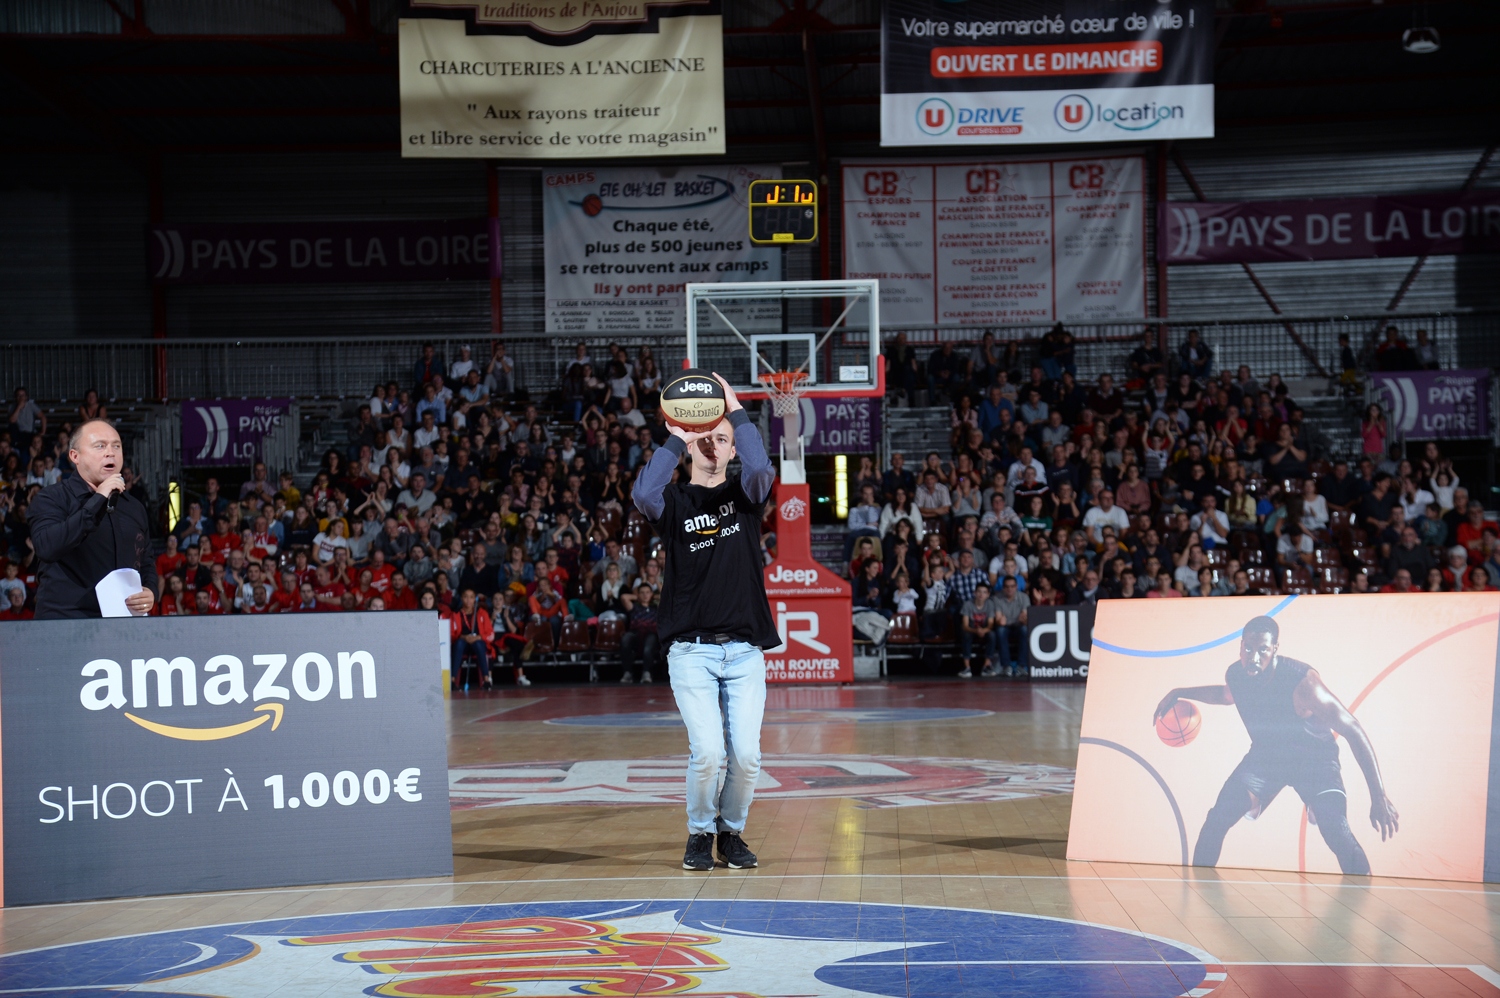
x: 1292, y: 718
x: 714, y: 618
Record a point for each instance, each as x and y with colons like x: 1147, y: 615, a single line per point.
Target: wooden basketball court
x: 911, y: 836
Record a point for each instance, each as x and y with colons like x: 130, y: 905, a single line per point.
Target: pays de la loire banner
x: 323, y: 252
x: 1436, y: 405
x: 834, y: 425
x: 996, y: 241
x: 620, y: 244
x: 228, y: 432
x: 554, y: 79
x: 1328, y: 228
x: 990, y: 72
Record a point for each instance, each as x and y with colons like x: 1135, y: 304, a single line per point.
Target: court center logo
x: 630, y: 947
x: 1074, y: 113
x: 934, y: 116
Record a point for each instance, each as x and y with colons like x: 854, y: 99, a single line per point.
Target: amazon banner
x: 165, y: 755
x: 1318, y: 734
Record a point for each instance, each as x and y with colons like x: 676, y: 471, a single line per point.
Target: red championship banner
x: 811, y: 605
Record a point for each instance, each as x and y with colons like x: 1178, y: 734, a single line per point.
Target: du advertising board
x: 620, y: 244
x: 1011, y: 72
x: 1342, y: 735
x: 1059, y: 641
x: 170, y: 754
x: 559, y: 79
x: 1436, y: 405
x: 228, y: 432
x: 995, y: 241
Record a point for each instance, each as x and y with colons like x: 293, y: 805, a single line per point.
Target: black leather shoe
x: 735, y: 854
x: 700, y: 852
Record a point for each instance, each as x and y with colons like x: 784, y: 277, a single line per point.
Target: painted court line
x: 757, y: 875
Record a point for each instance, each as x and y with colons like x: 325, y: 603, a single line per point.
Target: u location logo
x: 1074, y: 113
x: 934, y: 116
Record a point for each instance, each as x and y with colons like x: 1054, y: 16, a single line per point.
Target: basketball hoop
x: 783, y: 388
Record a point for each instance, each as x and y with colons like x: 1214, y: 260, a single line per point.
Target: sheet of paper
x: 114, y: 587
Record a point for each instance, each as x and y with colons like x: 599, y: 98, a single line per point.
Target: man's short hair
x: 1263, y: 625
x: 78, y: 433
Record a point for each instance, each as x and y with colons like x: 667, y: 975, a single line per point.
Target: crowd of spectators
x: 1184, y: 481
x: 453, y: 492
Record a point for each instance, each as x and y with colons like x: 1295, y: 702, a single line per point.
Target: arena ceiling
x: 802, y: 80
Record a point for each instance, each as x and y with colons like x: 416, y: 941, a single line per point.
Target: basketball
x: 1179, y: 725
x: 693, y: 400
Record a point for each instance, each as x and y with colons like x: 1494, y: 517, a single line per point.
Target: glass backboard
x: 828, y: 329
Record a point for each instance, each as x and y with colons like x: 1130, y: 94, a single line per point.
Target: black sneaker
x: 700, y: 852
x: 735, y: 854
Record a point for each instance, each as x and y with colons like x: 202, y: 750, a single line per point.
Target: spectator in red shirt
x: 401, y: 596
x: 16, y: 608
x: 175, y: 601
x: 548, y: 607
x: 193, y: 573
x: 380, y: 571
x: 553, y: 570
x: 260, y: 601
x: 1470, y: 533
x: 302, y: 569
x: 1401, y: 583
x: 204, y: 605
x: 330, y: 594
x: 288, y: 594
x: 222, y: 539
x: 262, y: 541
x: 168, y: 561
x: 366, y: 588
x: 220, y: 590
x: 472, y: 632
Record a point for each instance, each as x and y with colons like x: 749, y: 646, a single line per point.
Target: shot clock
x: 783, y: 211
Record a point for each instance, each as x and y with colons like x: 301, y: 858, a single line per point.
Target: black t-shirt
x: 713, y: 582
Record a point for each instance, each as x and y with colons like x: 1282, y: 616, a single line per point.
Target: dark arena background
x: 365, y: 629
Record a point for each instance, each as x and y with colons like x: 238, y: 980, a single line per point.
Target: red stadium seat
x: 540, y: 637
x: 607, y: 635
x: 903, y: 630
x: 574, y: 637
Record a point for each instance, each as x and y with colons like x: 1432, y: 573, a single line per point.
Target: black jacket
x: 78, y: 542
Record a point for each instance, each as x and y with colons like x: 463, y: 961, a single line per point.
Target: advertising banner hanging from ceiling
x: 557, y: 79
x: 993, y: 72
x: 999, y: 241
x: 620, y: 243
x: 1328, y: 228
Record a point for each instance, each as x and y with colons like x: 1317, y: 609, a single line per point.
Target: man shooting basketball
x: 714, y: 618
x: 1292, y: 718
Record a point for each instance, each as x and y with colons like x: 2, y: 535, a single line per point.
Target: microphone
x: 114, y: 497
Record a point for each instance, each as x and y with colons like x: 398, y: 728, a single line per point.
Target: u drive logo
x: 806, y: 633
x: 1063, y: 643
x: 215, y: 431
x: 172, y: 256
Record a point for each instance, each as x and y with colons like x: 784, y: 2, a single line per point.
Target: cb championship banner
x: 990, y: 72
x: 996, y: 241
x: 170, y: 754
x: 550, y: 79
x: 1318, y: 734
x: 620, y: 244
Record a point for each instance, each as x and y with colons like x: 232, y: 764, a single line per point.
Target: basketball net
x: 784, y: 389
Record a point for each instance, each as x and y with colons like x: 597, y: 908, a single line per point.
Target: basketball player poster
x: 1322, y: 734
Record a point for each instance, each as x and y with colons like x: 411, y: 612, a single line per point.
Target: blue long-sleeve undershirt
x: 756, y: 473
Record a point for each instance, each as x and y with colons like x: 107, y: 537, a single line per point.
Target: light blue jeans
x: 721, y: 692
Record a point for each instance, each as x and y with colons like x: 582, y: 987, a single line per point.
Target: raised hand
x: 731, y: 400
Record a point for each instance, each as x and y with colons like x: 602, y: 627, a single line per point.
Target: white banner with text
x: 991, y: 242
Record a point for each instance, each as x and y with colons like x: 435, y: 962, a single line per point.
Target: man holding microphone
x: 88, y: 525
